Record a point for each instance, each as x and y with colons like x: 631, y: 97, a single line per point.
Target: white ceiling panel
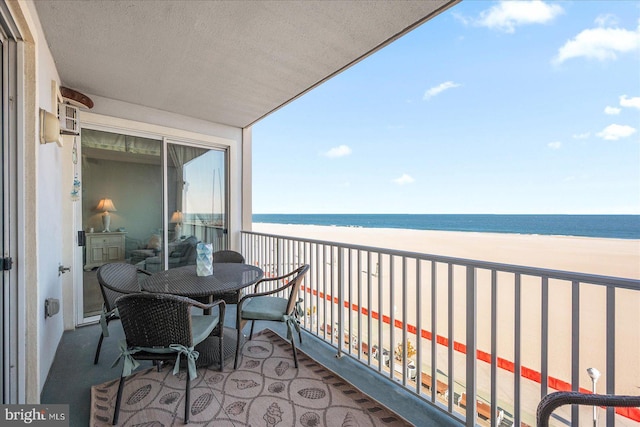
x: 230, y: 62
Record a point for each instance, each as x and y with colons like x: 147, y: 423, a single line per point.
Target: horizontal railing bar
x: 592, y: 279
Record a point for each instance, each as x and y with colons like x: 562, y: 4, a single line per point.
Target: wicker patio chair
x: 552, y: 401
x: 227, y: 255
x: 115, y: 280
x: 160, y: 327
x: 266, y: 305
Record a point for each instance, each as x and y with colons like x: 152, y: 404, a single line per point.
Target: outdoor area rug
x: 266, y: 390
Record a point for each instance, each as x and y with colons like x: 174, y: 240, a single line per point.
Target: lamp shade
x: 106, y: 205
x: 176, y: 217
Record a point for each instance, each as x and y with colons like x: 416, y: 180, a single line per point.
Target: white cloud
x: 404, y: 179
x: 340, y: 151
x: 584, y: 135
x: 555, y: 145
x: 599, y: 43
x: 612, y: 110
x: 615, y: 132
x: 440, y: 88
x: 507, y: 15
x: 630, y: 102
x: 607, y: 20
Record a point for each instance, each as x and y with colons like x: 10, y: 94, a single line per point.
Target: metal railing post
x: 575, y: 348
x: 472, y: 316
x: 517, y: 364
x: 611, y: 351
x: 340, y: 334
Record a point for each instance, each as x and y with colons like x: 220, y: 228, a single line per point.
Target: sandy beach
x: 606, y: 257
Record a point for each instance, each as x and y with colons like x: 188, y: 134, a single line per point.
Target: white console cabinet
x: 102, y: 248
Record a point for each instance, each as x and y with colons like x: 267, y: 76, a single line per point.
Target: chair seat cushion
x: 202, y: 326
x: 264, y: 308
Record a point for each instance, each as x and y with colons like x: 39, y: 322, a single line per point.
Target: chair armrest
x: 261, y: 294
x: 272, y: 291
x: 143, y: 271
x: 293, y: 274
x: 552, y: 401
x: 272, y: 279
x: 209, y: 306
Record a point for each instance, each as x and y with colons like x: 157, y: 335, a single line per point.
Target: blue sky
x: 490, y: 107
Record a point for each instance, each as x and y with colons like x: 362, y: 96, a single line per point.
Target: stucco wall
x: 49, y: 216
x: 41, y: 224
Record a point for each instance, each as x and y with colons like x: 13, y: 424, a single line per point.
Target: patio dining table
x: 226, y: 278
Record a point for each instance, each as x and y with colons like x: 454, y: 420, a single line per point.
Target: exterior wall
x: 247, y: 179
x: 50, y: 218
x: 47, y: 220
x: 40, y: 213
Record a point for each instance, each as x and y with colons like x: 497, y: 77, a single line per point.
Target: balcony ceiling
x: 227, y: 62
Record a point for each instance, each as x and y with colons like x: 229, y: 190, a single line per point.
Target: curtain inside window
x: 119, y: 142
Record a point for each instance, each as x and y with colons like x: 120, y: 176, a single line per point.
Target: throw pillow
x: 155, y: 242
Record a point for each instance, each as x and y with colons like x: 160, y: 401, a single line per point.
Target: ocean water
x: 606, y: 226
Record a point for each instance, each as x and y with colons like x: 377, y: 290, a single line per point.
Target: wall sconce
x: 49, y: 128
x: 106, y: 205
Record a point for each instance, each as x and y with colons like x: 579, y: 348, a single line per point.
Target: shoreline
x: 615, y: 257
x: 496, y: 233
x: 616, y: 226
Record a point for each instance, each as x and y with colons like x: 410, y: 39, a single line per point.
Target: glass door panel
x: 124, y: 212
x: 196, y: 201
x: 4, y: 318
x: 121, y: 181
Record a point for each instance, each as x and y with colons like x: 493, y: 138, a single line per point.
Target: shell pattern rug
x: 266, y: 390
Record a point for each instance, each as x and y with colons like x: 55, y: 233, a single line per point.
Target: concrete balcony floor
x: 73, y: 373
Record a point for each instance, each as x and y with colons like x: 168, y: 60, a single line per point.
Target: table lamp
x: 106, y: 205
x: 176, y: 218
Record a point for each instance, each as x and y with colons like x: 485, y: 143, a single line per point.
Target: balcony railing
x: 208, y: 233
x: 463, y: 327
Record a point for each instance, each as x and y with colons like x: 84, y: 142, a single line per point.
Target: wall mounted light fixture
x: 49, y: 128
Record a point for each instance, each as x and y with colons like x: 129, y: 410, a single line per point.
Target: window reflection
x: 196, y: 201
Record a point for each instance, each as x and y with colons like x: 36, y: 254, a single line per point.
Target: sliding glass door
x: 147, y: 201
x: 196, y: 196
x: 121, y: 205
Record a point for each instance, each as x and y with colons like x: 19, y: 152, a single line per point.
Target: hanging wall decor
x: 75, y: 191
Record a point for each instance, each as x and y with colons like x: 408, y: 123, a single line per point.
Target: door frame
x: 12, y: 297
x: 164, y: 135
x: 165, y: 186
